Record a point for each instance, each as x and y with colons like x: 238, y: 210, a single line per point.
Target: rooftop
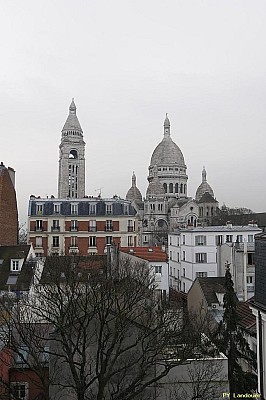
x: 154, y: 253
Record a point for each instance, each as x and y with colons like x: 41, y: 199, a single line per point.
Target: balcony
x: 108, y: 229
x: 55, y: 228
x: 38, y: 228
x: 73, y: 229
x: 73, y: 249
x: 130, y: 228
x: 92, y: 229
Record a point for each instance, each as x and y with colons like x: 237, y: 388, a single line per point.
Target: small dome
x: 133, y: 193
x: 204, y: 187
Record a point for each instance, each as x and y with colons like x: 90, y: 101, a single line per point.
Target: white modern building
x: 193, y: 251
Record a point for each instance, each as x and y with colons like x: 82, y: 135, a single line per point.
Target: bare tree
x: 110, y: 334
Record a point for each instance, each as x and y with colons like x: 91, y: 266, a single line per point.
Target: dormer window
x: 109, y: 209
x: 74, y: 209
x: 39, y: 209
x: 16, y: 264
x: 57, y: 208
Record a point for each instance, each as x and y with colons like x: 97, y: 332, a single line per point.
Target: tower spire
x: 204, y: 175
x: 166, y: 126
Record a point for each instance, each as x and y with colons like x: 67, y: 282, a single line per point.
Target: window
x: 73, y: 241
x: 15, y: 265
x: 92, y: 225
x: 158, y: 269
x: 38, y: 225
x: 55, y: 241
x: 184, y: 287
x: 109, y: 209
x: 92, y: 241
x: 201, y: 211
x: 170, y: 255
x: 176, y: 188
x: 130, y: 225
x: 74, y: 209
x: 74, y: 225
x: 92, y: 208
x: 239, y: 238
x: 184, y: 239
x: 57, y: 208
x: 178, y: 257
x: 171, y: 188
x: 109, y: 239
x: 201, y: 274
x: 229, y: 238
x: 171, y: 271
x: 219, y: 240
x: 250, y: 238
x: 200, y: 240
x: 109, y: 225
x: 38, y: 241
x: 39, y: 208
x: 184, y: 272
x: 251, y: 260
x: 130, y: 240
x: 201, y: 257
x: 184, y: 256
x: 249, y: 279
x: 55, y: 226
x: 165, y: 187
x: 20, y: 390
x: 126, y: 209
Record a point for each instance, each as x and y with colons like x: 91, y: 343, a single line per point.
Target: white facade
x: 193, y: 252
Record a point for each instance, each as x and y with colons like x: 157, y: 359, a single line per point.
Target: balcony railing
x: 108, y: 229
x: 55, y: 228
x: 73, y: 229
x: 38, y: 228
x: 130, y: 228
x: 92, y: 229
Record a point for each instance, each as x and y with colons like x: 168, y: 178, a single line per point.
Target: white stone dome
x: 204, y: 187
x: 133, y: 193
x: 166, y: 153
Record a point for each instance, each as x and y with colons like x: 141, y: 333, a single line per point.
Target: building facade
x: 8, y: 207
x: 83, y: 226
x: 167, y: 205
x: 258, y: 305
x: 193, y: 251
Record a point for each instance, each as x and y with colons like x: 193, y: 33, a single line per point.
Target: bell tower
x: 71, y: 178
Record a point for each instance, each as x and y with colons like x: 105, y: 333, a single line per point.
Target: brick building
x: 8, y: 207
x: 83, y: 226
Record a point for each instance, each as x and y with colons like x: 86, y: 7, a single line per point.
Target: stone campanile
x: 71, y: 179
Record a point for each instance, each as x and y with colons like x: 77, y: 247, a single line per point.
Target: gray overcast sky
x: 126, y: 63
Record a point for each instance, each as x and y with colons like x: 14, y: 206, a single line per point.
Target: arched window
x: 171, y: 189
x: 165, y: 187
x: 185, y: 188
x: 73, y: 154
x: 181, y: 188
x: 176, y: 188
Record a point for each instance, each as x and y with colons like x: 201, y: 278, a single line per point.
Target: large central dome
x: 167, y: 152
x: 168, y: 161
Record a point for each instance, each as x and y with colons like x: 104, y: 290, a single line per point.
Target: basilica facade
x: 166, y: 205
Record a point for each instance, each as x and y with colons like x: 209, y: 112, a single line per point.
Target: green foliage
x: 232, y: 343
